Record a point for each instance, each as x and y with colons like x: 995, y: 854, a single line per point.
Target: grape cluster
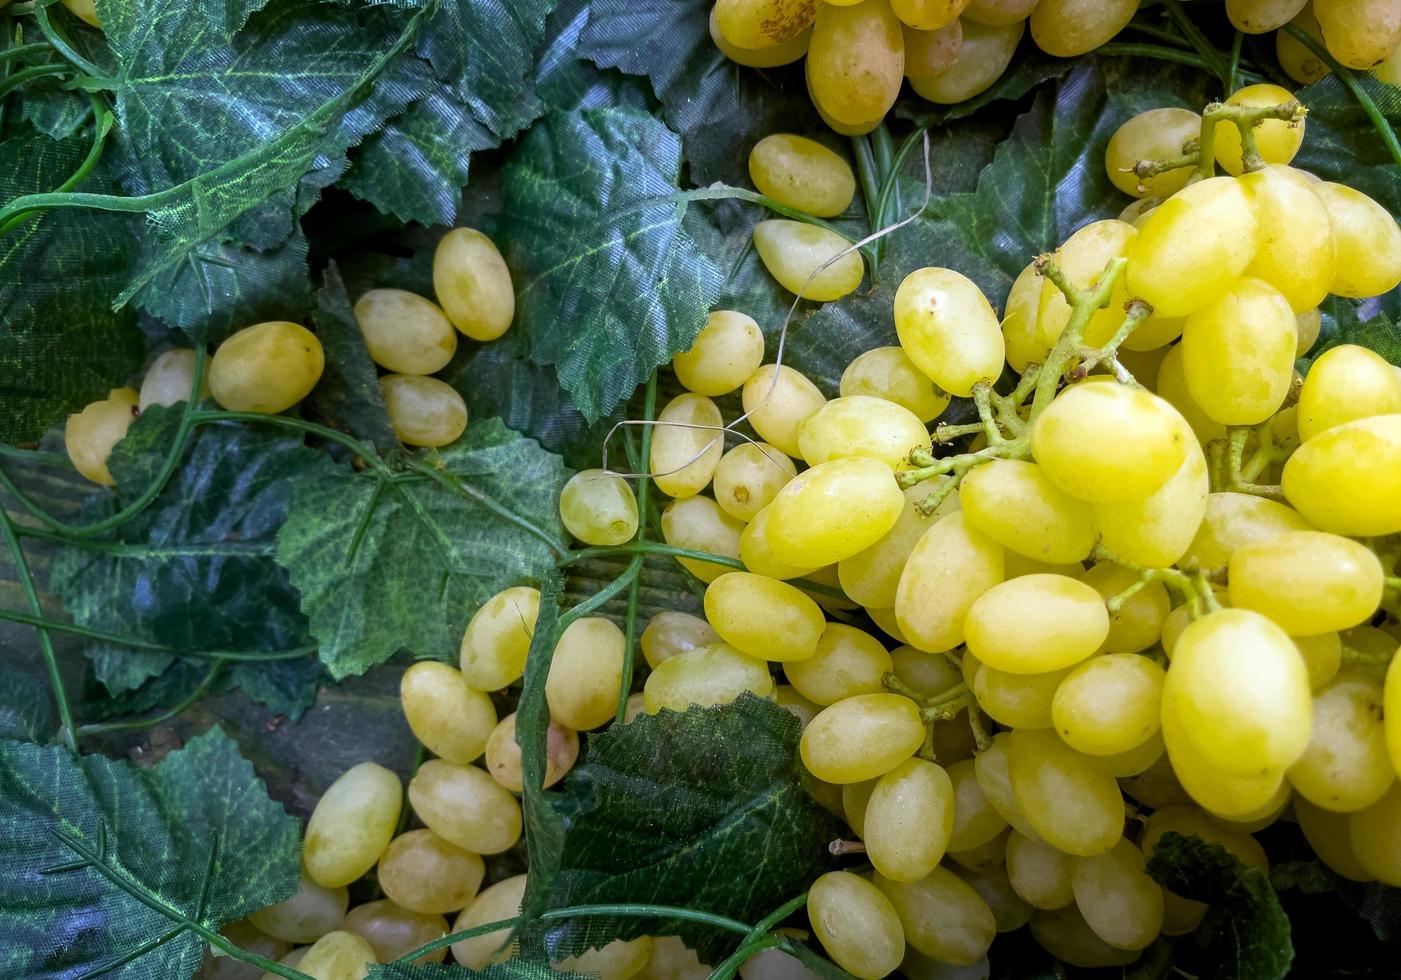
x: 1361, y: 34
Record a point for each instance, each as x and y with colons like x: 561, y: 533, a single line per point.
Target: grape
x: 451, y: 719
x: 1139, y: 622
x: 338, y: 956
x: 1066, y: 935
x: 1082, y: 257
x: 928, y: 15
x: 246, y: 937
x: 1347, y: 383
x: 1233, y: 520
x: 598, y: 508
x: 931, y: 53
x: 169, y: 379
x: 1238, y: 353
x: 1307, y: 581
x: 499, y: 902
x: 942, y: 916
x: 465, y: 806
x: 861, y: 738
x: 984, y: 856
x: 1157, y: 531
x: 799, y: 707
x: 1322, y: 653
x: 908, y: 820
x: 995, y: 778
x: 872, y: 576
x: 1073, y: 805
x: 503, y: 754
x: 775, y: 964
x: 404, y: 332
x: 1013, y: 502
x: 762, y: 23
x: 1172, y: 388
x: 698, y: 524
x: 421, y: 871
x: 498, y: 637
x: 727, y: 351
x: 1119, y: 901
x: 860, y: 425
x: 855, y: 797
x: 1298, y: 62
x: 1158, y: 134
x: 309, y: 914
x: 856, y: 61
x: 89, y: 435
x: 888, y: 372
x: 1389, y: 71
x: 423, y: 411
x: 669, y: 633
x: 1224, y: 793
x: 1193, y: 246
x: 1346, y: 766
x: 998, y: 13
x: 1328, y: 835
x: 1391, y: 713
x: 1021, y: 322
x: 1109, y: 704
x: 757, y: 554
x: 672, y: 959
x: 763, y: 617
x: 775, y: 407
x: 1260, y: 16
x: 975, y: 820
x: 1277, y: 140
x: 1157, y: 786
x: 1009, y: 910
x: 1036, y: 623
x: 1366, y: 240
x: 393, y: 931
x: 848, y: 662
x: 1348, y: 479
x: 1183, y: 914
x: 856, y: 924
x: 802, y: 174
x: 1071, y: 437
x: 1374, y: 837
x: 770, y: 56
x: 473, y: 284
x: 950, y: 567
x: 687, y: 444
x: 716, y: 674
x: 1066, y: 28
x: 1376, y: 648
x: 1131, y: 762
x: 749, y: 477
x: 1039, y: 873
x: 1359, y: 33
x: 586, y: 674
x: 1308, y: 326
x: 948, y: 329
x: 885, y: 619
x: 266, y: 368
x: 352, y: 824
x: 1296, y: 254
x: 85, y: 10
x: 833, y: 511
x: 618, y: 960
x: 1017, y: 700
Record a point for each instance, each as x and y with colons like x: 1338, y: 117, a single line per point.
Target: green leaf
x: 55, y: 111
x: 719, y: 780
x: 513, y: 969
x: 1341, y: 143
x: 348, y: 395
x: 107, y: 867
x: 26, y: 707
x: 609, y: 285
x: 544, y: 827
x: 1247, y: 931
x: 61, y: 345
x: 1343, y: 323
x: 387, y: 562
x: 565, y: 80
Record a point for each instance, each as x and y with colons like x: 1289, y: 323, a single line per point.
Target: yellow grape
x: 1296, y: 254
x: 836, y: 125
x: 888, y: 372
x: 1375, y: 840
x: 1233, y: 520
x: 942, y: 916
x: 1040, y: 874
x: 1110, y: 704
x: 266, y: 368
x: 1017, y: 700
x: 1021, y: 321
x: 1119, y: 901
x: 404, y: 332
x: 1238, y: 353
x: 1192, y: 821
x: 711, y: 675
x: 352, y: 824
x: 421, y: 871
x: 1150, y: 338
x: 930, y: 674
x: 618, y: 960
x: 995, y: 777
x: 1389, y: 71
x: 1157, y: 531
x: 948, y: 329
x: 1391, y: 711
x: 756, y: 551
x: 1261, y: 16
x: 1298, y: 62
x: 586, y: 674
x: 1157, y: 786
x: 1135, y: 760
x: 975, y: 820
x: 1377, y: 648
x: 763, y: 617
x: 1139, y: 622
x: 786, y: 697
x: 598, y: 508
x: 169, y: 379
x: 1066, y: 935
x: 856, y: 924
x: 861, y: 737
x: 1158, y: 134
x: 698, y: 524
x: 498, y: 637
x: 908, y: 820
x: 856, y: 60
x: 1275, y: 139
x: 769, y: 56
x: 423, y: 411
x: 997, y: 13
x: 1308, y: 324
x: 473, y: 284
x: 860, y: 425
x: 465, y: 806
x: 85, y: 10
x: 1307, y: 581
x: 802, y: 174
x: 686, y: 445
x: 393, y: 931
x: 452, y: 720
x: 1009, y: 910
x: 1328, y: 835
x: 1072, y: 804
x: 762, y: 23
x: 729, y: 348
x: 1036, y: 623
x: 951, y: 566
x: 1015, y: 504
x: 90, y: 434
x: 749, y: 477
x: 983, y: 55
x: 833, y: 510
x: 1172, y: 388
x: 1323, y: 656
x: 1067, y: 28
x: 931, y: 53
x: 855, y: 796
x: 1223, y: 793
x: 309, y: 914
x: 848, y: 662
x: 872, y: 576
x: 1359, y: 33
x: 672, y: 959
x: 885, y: 619
x: 1346, y: 766
x: 1366, y: 240
x: 928, y: 15
x: 501, y: 901
x: 669, y: 633
x: 776, y: 401
x: 338, y: 956
x: 1193, y: 246
x: 1082, y: 257
x: 503, y: 754
x: 1348, y: 479
x: 1347, y: 383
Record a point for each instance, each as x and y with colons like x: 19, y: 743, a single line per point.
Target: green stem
x: 46, y: 648
x: 135, y: 725
x: 1233, y: 67
x: 1158, y: 33
x: 60, y: 43
x: 1084, y: 304
x: 897, y: 166
x: 644, y: 499
x: 1198, y: 40
x: 1349, y: 79
x: 23, y: 51
x: 883, y: 147
x: 659, y: 548
x: 362, y: 449
x: 867, y: 172
x: 602, y: 596
x: 28, y: 74
x: 500, y: 510
x: 102, y: 125
x: 739, y: 957
x: 35, y: 456
x: 725, y: 192
x: 136, y: 643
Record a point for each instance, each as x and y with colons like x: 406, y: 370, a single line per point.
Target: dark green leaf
x: 544, y: 828
x: 565, y: 80
x: 1340, y: 142
x: 1343, y: 323
x: 388, y: 562
x: 609, y: 285
x: 26, y: 707
x: 1248, y: 933
x: 348, y: 394
x: 105, y: 866
x: 513, y: 969
x: 55, y: 111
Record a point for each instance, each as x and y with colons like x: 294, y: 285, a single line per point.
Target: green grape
x: 1296, y: 254
x: 687, y: 444
x: 1156, y: 531
x: 1016, y: 700
x: 836, y: 125
x: 762, y: 23
x: 749, y: 477
x: 338, y: 956
x: 1359, y: 33
x: 1346, y: 766
x: 757, y: 554
x: 1238, y: 353
x: 930, y: 674
x: 833, y: 511
x: 716, y: 674
x: 1348, y: 479
x: 89, y: 435
x: 861, y: 738
x: 503, y: 754
x: 1121, y: 904
x: 1072, y: 804
x: 1309, y: 325
x: 802, y: 174
x: 598, y: 508
x: 888, y: 372
x: 786, y: 697
x: 942, y: 916
x: 1040, y: 875
x: 1068, y: 28
x: 908, y: 820
x: 452, y: 720
x: 473, y: 284
x: 855, y: 796
x: 1139, y: 622
x: 1158, y: 134
x: 1172, y: 388
x: 1193, y: 246
x: 586, y: 674
x: 1082, y: 257
x: 1307, y: 581
x: 698, y: 524
x: 998, y: 13
x: 856, y: 924
x: 1157, y: 786
x: 1298, y: 62
x: 725, y: 353
x: 266, y: 368
x: 169, y: 379
x: 1021, y: 322
x: 1328, y: 835
x: 860, y: 425
x: 770, y: 56
x: 1013, y: 502
x: 404, y: 332
x: 352, y: 824
x: 1066, y: 935
x: 995, y: 779
x: 393, y: 931
x: 1133, y: 761
x: 928, y: 15
x: 1277, y: 140
x: 984, y: 856
x: 1375, y: 648
x: 1110, y: 704
x: 975, y: 820
x: 1070, y: 441
x: 1233, y: 520
x: 669, y: 633
x: 247, y: 937
x: 498, y: 638
x: 1036, y: 624
x: 309, y: 914
x: 1261, y: 16
x: 1009, y: 910
x: 885, y: 619
x: 848, y: 662
x: 421, y: 871
x: 1366, y: 240
x: 1225, y: 794
x: 950, y: 567
x: 1389, y: 71
x: 499, y: 902
x: 465, y: 806
x: 1323, y: 655
x: 1375, y: 840
x: 1346, y: 383
x: 85, y: 10
x: 872, y: 576
x: 856, y: 61
x: 763, y: 617
x: 776, y: 406
x: 618, y: 960
x: 423, y: 411
x: 948, y: 329
x: 931, y: 53
x: 1391, y: 711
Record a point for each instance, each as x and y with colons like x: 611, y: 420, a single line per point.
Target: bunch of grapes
x: 1361, y: 34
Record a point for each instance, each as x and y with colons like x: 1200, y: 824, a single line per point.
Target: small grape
x: 1366, y: 240
x: 1296, y: 254
x: 404, y: 332
x: 1082, y: 258
x: 1013, y: 502
x: 928, y: 15
x: 90, y: 434
x: 762, y: 23
x: 1009, y: 910
x: 1346, y: 766
x: 473, y: 284
x: 499, y: 902
x: 833, y: 511
x: 1158, y: 134
x: 729, y: 348
x: 1066, y: 935
x: 1277, y: 140
x: 503, y: 754
x: 1039, y: 873
x: 848, y: 662
x: 698, y: 524
x: 908, y: 820
x: 1328, y: 834
x: 1233, y: 520
x: 586, y: 674
x: 311, y: 912
x: 860, y: 425
x: 756, y: 551
x: 352, y: 825
x: 861, y: 737
x: 687, y: 444
x: 716, y: 674
x: 1298, y: 62
x: 942, y: 916
x: 1155, y: 532
x: 1238, y: 353
x: 1348, y: 479
x: 948, y: 329
x: 338, y: 956
x: 497, y: 639
x: 1017, y: 700
x: 465, y: 806
x: 1067, y: 28
x: 856, y: 924
x: 872, y: 576
x: 1172, y: 388
x: 169, y: 379
x: 1261, y: 16
x: 1072, y: 804
x: 931, y: 53
x: 669, y: 633
x: 975, y: 820
x: 814, y: 263
x: 1307, y: 581
x: 452, y: 720
x: 888, y: 372
x: 1359, y: 33
x: 423, y: 411
x: 995, y: 777
x: 1139, y: 622
x: 1110, y: 704
x: 983, y: 55
x: 776, y: 401
x: 802, y: 174
x: 1036, y: 623
x: 393, y: 931
x: 421, y: 871
x: 951, y: 566
x: 749, y: 477
x: 770, y: 56
x: 1346, y: 383
x: 598, y: 508
x: 763, y: 617
x: 266, y: 368
x: 1119, y: 901
x: 856, y: 61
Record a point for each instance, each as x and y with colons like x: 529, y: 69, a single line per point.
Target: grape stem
x: 947, y: 705
x: 1193, y: 586
x: 1233, y: 473
x: 1352, y: 655
x: 644, y: 500
x: 841, y: 848
x: 1203, y: 155
x: 1349, y: 79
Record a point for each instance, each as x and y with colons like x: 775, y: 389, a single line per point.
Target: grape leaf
x: 609, y: 285
x: 544, y: 827
x: 1370, y: 323
x: 567, y: 80
x: 390, y: 561
x: 515, y: 968
x: 109, y: 868
x: 348, y: 395
x: 26, y: 708
x: 1341, y: 143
